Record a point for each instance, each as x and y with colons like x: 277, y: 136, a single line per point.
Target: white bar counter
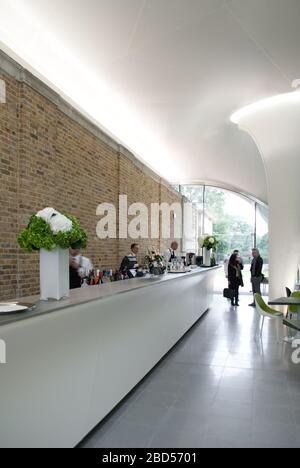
x: 69, y: 363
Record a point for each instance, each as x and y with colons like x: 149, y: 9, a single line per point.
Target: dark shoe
x: 232, y: 303
x: 252, y: 305
x: 237, y: 304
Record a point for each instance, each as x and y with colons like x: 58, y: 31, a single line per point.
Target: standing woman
x: 235, y: 277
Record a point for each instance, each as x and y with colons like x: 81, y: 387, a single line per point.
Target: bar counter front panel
x: 68, y: 368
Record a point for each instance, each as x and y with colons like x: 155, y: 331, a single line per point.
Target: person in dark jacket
x: 129, y: 263
x: 75, y: 279
x: 235, y: 277
x: 256, y: 273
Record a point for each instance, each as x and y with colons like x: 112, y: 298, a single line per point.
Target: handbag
x: 228, y: 293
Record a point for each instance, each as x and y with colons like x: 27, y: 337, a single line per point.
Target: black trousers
x: 235, y: 298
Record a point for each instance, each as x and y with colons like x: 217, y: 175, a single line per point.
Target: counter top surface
x: 92, y: 293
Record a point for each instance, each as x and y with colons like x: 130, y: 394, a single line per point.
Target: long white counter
x: 70, y: 363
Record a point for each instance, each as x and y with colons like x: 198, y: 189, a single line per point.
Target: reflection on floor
x: 220, y: 387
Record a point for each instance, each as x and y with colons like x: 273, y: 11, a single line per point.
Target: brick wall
x: 48, y: 159
x: 9, y: 173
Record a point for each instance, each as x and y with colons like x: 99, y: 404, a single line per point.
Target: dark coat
x: 75, y: 280
x: 257, y: 271
x: 128, y: 263
x: 234, y: 281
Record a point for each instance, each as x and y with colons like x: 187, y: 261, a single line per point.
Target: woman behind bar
x: 235, y: 277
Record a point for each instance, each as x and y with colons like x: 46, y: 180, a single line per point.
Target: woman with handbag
x: 235, y: 277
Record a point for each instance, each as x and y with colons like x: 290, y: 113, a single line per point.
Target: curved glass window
x: 238, y: 222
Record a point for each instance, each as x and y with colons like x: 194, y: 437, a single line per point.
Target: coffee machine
x: 190, y: 259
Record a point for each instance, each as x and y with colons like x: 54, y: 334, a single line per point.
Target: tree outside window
x: 238, y: 222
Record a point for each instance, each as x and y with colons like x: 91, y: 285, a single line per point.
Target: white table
x: 288, y: 301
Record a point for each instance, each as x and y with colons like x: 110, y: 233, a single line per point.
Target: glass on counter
x: 177, y: 265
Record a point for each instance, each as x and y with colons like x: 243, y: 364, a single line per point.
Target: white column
x: 275, y: 127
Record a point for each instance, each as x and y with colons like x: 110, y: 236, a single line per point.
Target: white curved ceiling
x: 164, y: 76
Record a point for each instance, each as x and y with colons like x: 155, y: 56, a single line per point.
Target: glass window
x: 231, y: 218
x: 262, y: 234
x: 176, y: 187
x: 194, y: 193
x: 235, y: 220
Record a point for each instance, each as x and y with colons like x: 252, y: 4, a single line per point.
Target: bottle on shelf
x: 97, y: 278
x: 111, y: 277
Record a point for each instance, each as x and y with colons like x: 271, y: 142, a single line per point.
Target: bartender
x: 129, y: 263
x: 172, y: 253
x: 79, y: 267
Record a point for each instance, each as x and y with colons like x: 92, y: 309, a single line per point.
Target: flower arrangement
x: 213, y: 261
x: 210, y: 243
x: 201, y: 241
x: 154, y: 262
x: 49, y: 229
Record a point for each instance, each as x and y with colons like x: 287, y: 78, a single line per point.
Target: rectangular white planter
x: 206, y: 257
x: 54, y: 274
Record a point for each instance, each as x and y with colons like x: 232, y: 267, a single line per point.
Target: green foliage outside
x: 232, y: 231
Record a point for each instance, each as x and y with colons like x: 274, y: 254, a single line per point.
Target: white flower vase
x: 54, y: 274
x: 206, y: 257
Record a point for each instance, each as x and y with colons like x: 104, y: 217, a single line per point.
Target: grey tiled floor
x: 220, y: 387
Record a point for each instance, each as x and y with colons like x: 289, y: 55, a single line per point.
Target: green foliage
x: 154, y: 263
x: 193, y: 192
x: 233, y: 231
x: 235, y: 234
x: 215, y: 200
x: 38, y: 235
x: 77, y: 238
x: 153, y: 259
x: 210, y: 242
x: 263, y: 246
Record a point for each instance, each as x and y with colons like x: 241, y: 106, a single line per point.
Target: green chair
x: 293, y: 309
x: 265, y: 311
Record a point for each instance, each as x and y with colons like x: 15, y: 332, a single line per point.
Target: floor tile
x: 221, y: 386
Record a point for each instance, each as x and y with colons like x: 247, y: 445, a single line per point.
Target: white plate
x: 10, y: 308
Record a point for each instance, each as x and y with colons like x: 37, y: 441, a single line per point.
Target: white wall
x: 276, y: 131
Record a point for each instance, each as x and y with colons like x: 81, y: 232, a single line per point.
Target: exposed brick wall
x: 139, y: 188
x: 48, y: 159
x: 9, y: 159
x: 170, y: 197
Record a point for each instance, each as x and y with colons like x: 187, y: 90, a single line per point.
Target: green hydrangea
x: 210, y: 242
x: 38, y: 235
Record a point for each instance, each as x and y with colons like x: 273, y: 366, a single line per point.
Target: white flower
x: 201, y: 241
x: 57, y: 221
x: 60, y: 223
x: 47, y: 214
x: 211, y: 240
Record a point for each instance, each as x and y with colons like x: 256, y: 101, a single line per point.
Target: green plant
x: 154, y: 261
x: 210, y: 243
x: 39, y: 235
